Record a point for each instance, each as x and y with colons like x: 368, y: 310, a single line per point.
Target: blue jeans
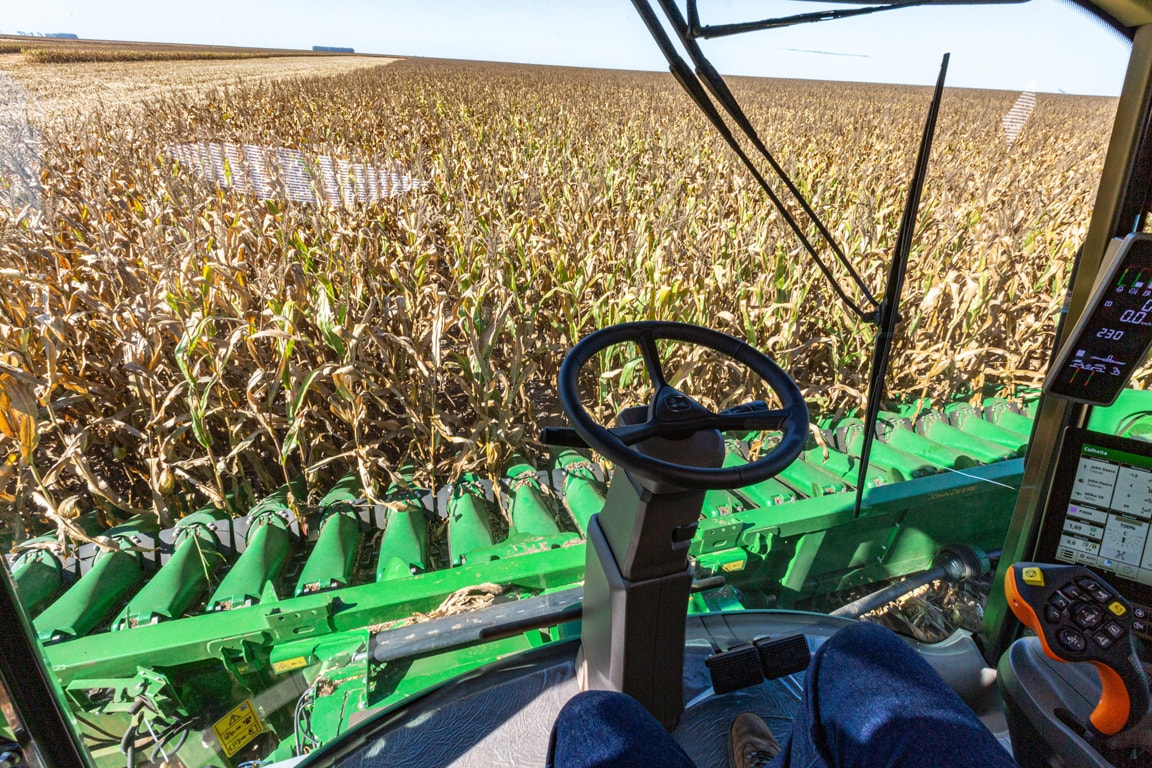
x: 869, y: 701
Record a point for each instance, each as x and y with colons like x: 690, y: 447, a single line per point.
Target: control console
x: 1078, y: 617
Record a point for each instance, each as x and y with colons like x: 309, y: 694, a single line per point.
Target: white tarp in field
x: 1015, y: 118
x: 280, y: 173
x: 19, y: 148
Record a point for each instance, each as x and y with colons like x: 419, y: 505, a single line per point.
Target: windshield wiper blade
x: 694, y: 84
x: 889, y: 309
x: 708, y: 31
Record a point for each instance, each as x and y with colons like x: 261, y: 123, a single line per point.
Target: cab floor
x: 506, y: 720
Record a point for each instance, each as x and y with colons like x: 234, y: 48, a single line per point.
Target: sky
x: 1044, y: 45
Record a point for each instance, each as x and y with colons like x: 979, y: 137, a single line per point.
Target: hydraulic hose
x: 952, y: 564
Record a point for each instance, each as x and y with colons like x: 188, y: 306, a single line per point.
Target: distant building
x: 332, y: 49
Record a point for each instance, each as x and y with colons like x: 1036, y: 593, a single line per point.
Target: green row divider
x: 767, y: 493
x: 900, y: 465
x: 113, y: 576
x: 39, y: 576
x: 258, y: 567
x: 942, y: 456
x: 528, y: 510
x: 333, y: 556
x: 182, y: 580
x: 469, y: 529
x: 329, y: 564
x: 533, y: 527
x: 253, y: 576
x: 936, y: 428
x: 583, y: 493
x: 404, y: 544
x: 969, y: 420
x: 843, y: 466
x: 810, y: 480
x: 89, y: 602
x: 1013, y: 421
x: 720, y: 503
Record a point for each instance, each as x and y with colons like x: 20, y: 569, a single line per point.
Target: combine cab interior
x: 687, y: 551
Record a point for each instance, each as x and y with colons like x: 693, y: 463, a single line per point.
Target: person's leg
x: 603, y: 729
x: 871, y: 701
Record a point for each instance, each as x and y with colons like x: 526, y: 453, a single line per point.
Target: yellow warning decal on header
x: 237, y: 728
x: 289, y: 664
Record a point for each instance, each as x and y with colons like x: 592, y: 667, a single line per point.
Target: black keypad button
x: 1100, y: 595
x: 1087, y: 615
x: 1052, y: 614
x: 1071, y: 640
x: 1072, y: 592
x: 1140, y: 626
x: 1139, y: 613
x: 1088, y: 584
x: 1101, y: 639
x: 1059, y: 600
x: 1114, y: 630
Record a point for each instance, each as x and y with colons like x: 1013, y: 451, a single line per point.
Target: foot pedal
x: 748, y: 664
x: 736, y: 668
x: 782, y: 656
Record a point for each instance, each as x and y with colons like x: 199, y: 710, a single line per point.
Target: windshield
x: 286, y: 295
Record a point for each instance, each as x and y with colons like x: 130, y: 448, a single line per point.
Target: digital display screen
x: 1114, y: 333
x: 1099, y: 512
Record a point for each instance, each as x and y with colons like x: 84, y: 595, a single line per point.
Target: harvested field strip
x: 73, y: 93
x: 58, y: 55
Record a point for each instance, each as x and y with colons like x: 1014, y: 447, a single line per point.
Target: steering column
x: 667, y: 454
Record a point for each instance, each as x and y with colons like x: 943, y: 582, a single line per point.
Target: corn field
x: 166, y: 341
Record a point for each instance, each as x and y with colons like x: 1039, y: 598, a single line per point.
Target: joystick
x: 1079, y: 617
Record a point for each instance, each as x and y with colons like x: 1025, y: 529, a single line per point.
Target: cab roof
x: 1125, y: 13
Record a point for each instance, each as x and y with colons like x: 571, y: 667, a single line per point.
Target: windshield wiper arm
x: 694, y: 84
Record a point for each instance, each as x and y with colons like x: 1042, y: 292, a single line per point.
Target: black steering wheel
x: 674, y: 415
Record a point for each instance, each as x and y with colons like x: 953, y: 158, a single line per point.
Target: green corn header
x: 313, y: 617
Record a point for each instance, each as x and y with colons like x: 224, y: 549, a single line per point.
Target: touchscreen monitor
x: 1099, y: 511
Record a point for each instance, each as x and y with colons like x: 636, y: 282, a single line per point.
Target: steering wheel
x: 674, y: 415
